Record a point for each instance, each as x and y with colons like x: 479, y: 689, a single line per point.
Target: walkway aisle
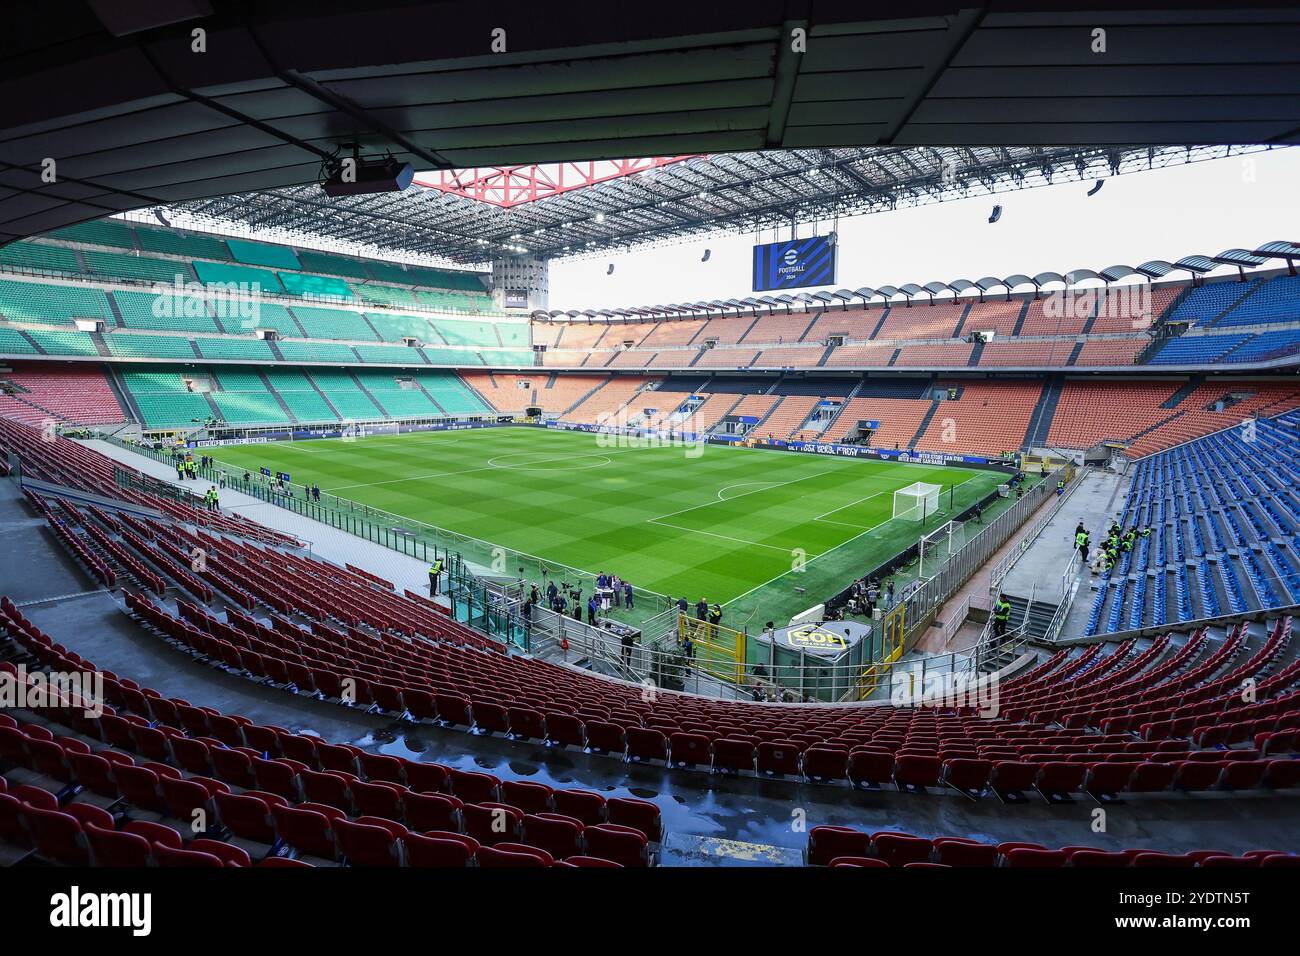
x: 324, y: 541
x: 1085, y: 504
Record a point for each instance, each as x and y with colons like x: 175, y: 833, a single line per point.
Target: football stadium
x: 361, y: 511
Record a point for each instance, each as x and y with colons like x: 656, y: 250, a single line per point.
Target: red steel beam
x: 508, y: 186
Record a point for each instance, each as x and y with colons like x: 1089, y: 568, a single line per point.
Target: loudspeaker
x: 996, y: 214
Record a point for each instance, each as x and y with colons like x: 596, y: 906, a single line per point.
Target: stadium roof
x: 1196, y: 266
x: 118, y: 98
x: 676, y: 200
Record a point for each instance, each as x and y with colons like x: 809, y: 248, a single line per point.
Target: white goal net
x: 939, y: 546
x: 917, y: 501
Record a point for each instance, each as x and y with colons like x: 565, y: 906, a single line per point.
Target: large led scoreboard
x: 794, y: 264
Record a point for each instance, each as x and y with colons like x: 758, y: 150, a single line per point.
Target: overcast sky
x: 1162, y: 214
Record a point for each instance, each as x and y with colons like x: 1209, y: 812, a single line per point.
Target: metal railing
x: 1007, y: 561
x: 925, y: 601
x: 954, y: 618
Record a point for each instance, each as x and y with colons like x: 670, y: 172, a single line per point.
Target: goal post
x: 917, y: 502
x: 939, y: 547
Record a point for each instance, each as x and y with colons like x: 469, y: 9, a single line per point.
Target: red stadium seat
x: 558, y: 835
x: 827, y: 843
x: 582, y: 805
x: 621, y: 844
x: 439, y: 849
x: 369, y: 843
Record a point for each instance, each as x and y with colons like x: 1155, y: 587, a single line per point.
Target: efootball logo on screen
x: 794, y: 264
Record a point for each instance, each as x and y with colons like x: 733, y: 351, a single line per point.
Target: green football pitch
x: 765, y: 533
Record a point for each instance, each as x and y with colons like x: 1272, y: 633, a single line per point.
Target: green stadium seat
x: 239, y: 380
x: 389, y: 354
x: 139, y: 310
x: 447, y: 389
x: 304, y: 283
x: 455, y: 358
x: 467, y: 333
x: 271, y: 315
x: 248, y: 407
x: 163, y: 399
x: 301, y: 397
x: 124, y: 265
x: 398, y: 402
x: 192, y: 246
x: 171, y: 410
x: 507, y: 357
x: 333, y: 352
x: 63, y: 343
x: 387, y: 295
x: 345, y: 395
x: 221, y: 273
x: 514, y: 335
x: 12, y: 342
x: 330, y: 264
x: 308, y: 406
x: 42, y: 304
x: 334, y: 324
x: 246, y: 350
x: 263, y: 254
x: 393, y: 327
x: 456, y: 301
x: 36, y: 255
x: 104, y: 233
x: 149, y: 346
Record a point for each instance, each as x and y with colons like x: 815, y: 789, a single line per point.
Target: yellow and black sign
x: 814, y: 636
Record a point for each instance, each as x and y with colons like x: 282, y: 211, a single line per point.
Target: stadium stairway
x: 420, y: 385
x: 1252, y: 287
x: 121, y: 392
x: 586, y: 395
x: 839, y: 412
x: 965, y: 313
x: 370, y: 395
x: 1020, y: 320
x: 1034, y: 617
x: 324, y: 397
x: 1040, y: 423
x: 975, y: 354
x: 216, y: 412
x: 1236, y: 348
x: 925, y: 422
x: 1155, y: 345
x: 1074, y: 352
x: 817, y: 314
x: 884, y: 314
x: 1176, y: 399
x: 288, y: 414
x: 35, y: 406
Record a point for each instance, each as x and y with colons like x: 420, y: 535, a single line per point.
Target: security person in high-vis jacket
x: 435, y: 571
x: 1081, y: 543
x: 1001, y: 615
